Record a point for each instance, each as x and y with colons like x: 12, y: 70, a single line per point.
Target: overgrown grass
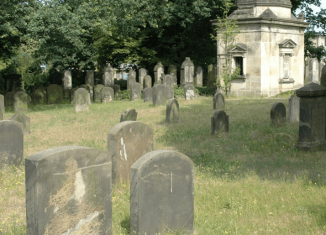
x: 251, y: 180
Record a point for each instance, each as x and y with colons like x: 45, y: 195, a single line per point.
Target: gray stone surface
x: 54, y: 94
x: 9, y: 100
x: 108, y: 76
x: 1, y: 114
x: 142, y: 74
x: 129, y: 115
x: 127, y: 142
x: 81, y: 99
x: 135, y: 93
x: 162, y: 193
x: 218, y: 101
x: 278, y: 114
x: 159, y: 94
x: 11, y: 143
x: 169, y: 86
x: 107, y: 94
x: 189, y: 91
x: 323, y: 77
x: 131, y: 79
x: 187, y: 72
x: 21, y: 102
x: 68, y: 191
x: 89, y: 79
x: 67, y: 80
x: 39, y: 96
x: 294, y: 108
x: 147, y: 81
x: 219, y: 122
x: 23, y: 119
x: 199, y: 77
x: 172, y: 71
x: 116, y: 89
x: 172, y: 109
x: 211, y: 77
x: 97, y: 93
x: 2, y: 103
x: 148, y: 94
x: 158, y: 71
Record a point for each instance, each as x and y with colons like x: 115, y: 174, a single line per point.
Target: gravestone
x: 187, y: 72
x: 172, y: 70
x: 323, y: 77
x: 219, y: 122
x: 132, y: 73
x: 129, y: 115
x: 169, y: 86
x: 172, y: 108
x: 159, y: 94
x: 67, y: 80
x: 128, y: 141
x: 142, y: 74
x: 1, y: 114
x: 189, y: 91
x: 131, y: 79
x: 218, y: 101
x: 199, y: 77
x: 23, y: 119
x: 2, y: 103
x: 21, y: 102
x: 135, y: 93
x: 211, y: 77
x: 116, y: 89
x: 107, y: 94
x: 72, y: 95
x: 97, y: 93
x: 148, y: 94
x: 9, y: 100
x: 312, y: 117
x: 278, y: 114
x: 89, y: 80
x: 158, y: 71
x: 39, y: 96
x: 162, y: 193
x: 294, y: 108
x: 147, y: 81
x: 108, y: 76
x: 11, y: 143
x: 54, y: 94
x: 68, y: 191
x: 81, y: 99
x: 313, y: 70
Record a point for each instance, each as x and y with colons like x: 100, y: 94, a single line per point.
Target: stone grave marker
x: 89, y: 89
x: 81, y: 99
x: 211, y: 77
x: 128, y: 141
x: 130, y: 80
x: 219, y: 122
x: 72, y: 95
x: 21, y: 102
x: 2, y: 103
x: 169, y: 86
x: 1, y: 114
x: 68, y: 191
x: 147, y: 81
x: 199, y: 77
x: 108, y: 75
x: 89, y: 79
x: 172, y: 108
x: 142, y: 74
x: 158, y: 71
x: 148, y: 94
x: 172, y: 70
x: 294, y: 108
x: 97, y: 93
x: 323, y: 77
x: 159, y: 94
x: 129, y: 115
x: 116, y: 89
x: 11, y: 143
x: 54, y: 94
x: 189, y: 91
x: 135, y: 93
x: 67, y: 80
x: 162, y: 193
x: 187, y: 72
x: 107, y: 94
x: 278, y: 114
x: 23, y: 119
x: 39, y: 96
x: 9, y: 100
x: 218, y: 101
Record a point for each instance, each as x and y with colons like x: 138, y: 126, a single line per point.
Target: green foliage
x: 227, y: 77
x: 312, y: 50
x: 178, y: 91
x: 125, y: 94
x: 122, y: 83
x: 203, y: 91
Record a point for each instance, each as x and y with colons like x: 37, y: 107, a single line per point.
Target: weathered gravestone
x: 323, y: 77
x: 108, y: 75
x: 55, y: 94
x: 11, y: 143
x: 97, y: 93
x: 159, y: 94
x: 107, y: 94
x: 218, y: 101
x: 89, y: 79
x: 189, y: 92
x: 169, y: 86
x: 162, y: 193
x: 21, y: 102
x: 128, y: 141
x: 135, y: 93
x: 116, y: 89
x: 23, y: 119
x: 2, y: 106
x: 219, y: 122
x: 172, y: 108
x: 67, y: 80
x: 9, y: 100
x: 312, y: 117
x: 131, y: 79
x: 72, y: 95
x: 278, y: 114
x: 172, y: 70
x: 39, y: 96
x: 81, y: 99
x: 211, y: 77
x: 129, y: 115
x: 158, y: 71
x: 313, y: 70
x: 1, y: 114
x: 147, y: 81
x: 68, y: 191
x: 142, y: 74
x: 199, y: 77
x: 187, y: 72
x: 148, y: 94
x: 294, y: 108
x: 89, y: 89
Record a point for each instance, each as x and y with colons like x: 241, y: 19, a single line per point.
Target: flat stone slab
x: 23, y: 119
x: 162, y: 193
x: 278, y: 114
x: 172, y: 109
x: 68, y: 191
x: 219, y: 122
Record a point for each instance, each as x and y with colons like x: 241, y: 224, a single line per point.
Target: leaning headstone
x: 278, y: 114
x: 108, y: 75
x: 81, y: 99
x: 312, y: 117
x: 187, y: 72
x: 39, y: 96
x: 219, y: 122
x: 135, y: 93
x: 162, y: 193
x: 172, y: 108
x: 199, y: 77
x: 142, y: 74
x: 68, y: 191
x: 218, y: 101
x: 107, y: 94
x: 169, y: 86
x: 11, y: 143
x: 23, y: 119
x: 2, y: 103
x: 89, y: 80
x: 159, y: 94
x: 147, y: 81
x: 54, y: 94
x: 97, y: 93
x: 9, y: 100
x: 189, y: 92
x: 148, y: 94
x: 158, y: 71
x: 128, y: 141
x: 129, y: 115
x: 21, y: 102
x: 294, y: 108
x: 323, y: 77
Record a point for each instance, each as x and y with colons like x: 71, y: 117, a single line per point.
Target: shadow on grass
x: 125, y: 223
x: 319, y: 212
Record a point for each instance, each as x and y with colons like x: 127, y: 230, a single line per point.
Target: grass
x: 251, y: 180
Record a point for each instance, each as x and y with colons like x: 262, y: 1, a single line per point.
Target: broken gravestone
x: 147, y: 81
x: 278, y: 114
x: 219, y: 122
x: 129, y: 115
x: 172, y: 108
x: 26, y: 121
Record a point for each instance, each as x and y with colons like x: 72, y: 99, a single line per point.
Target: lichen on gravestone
x: 129, y: 115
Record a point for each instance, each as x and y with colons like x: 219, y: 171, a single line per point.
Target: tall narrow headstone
x: 278, y: 114
x: 219, y: 122
x: 199, y: 77
x: 159, y: 94
x: 54, y: 94
x: 81, y: 99
x: 147, y: 81
x: 97, y: 93
x: 187, y: 72
x: 128, y: 141
x: 89, y: 80
x: 129, y: 115
x: 218, y: 101
x: 135, y: 93
x: 211, y: 75
x: 169, y: 86
x: 23, y: 119
x: 39, y: 96
x: 68, y: 191
x: 189, y: 91
x: 162, y: 193
x: 108, y: 76
x: 158, y: 71
x: 2, y: 103
x: 294, y: 108
x: 21, y: 102
x: 9, y: 100
x: 67, y: 80
x: 131, y: 79
x: 172, y: 108
x: 107, y: 94
x: 172, y: 70
x: 148, y: 94
x: 142, y: 74
x: 313, y: 70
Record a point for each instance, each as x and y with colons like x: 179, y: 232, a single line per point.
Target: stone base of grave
x: 312, y: 146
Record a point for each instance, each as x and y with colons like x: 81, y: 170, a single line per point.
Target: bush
x: 204, y: 91
x: 125, y: 94
x: 122, y: 83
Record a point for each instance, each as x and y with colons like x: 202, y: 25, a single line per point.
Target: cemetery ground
x: 251, y: 180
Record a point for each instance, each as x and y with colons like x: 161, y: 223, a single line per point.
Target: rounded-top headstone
x: 278, y: 113
x: 39, y: 96
x: 189, y: 91
x: 172, y: 108
x: 107, y: 94
x: 311, y: 90
x: 25, y: 120
x: 21, y: 101
x: 294, y: 108
x: 218, y: 101
x: 81, y: 99
x: 219, y: 122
